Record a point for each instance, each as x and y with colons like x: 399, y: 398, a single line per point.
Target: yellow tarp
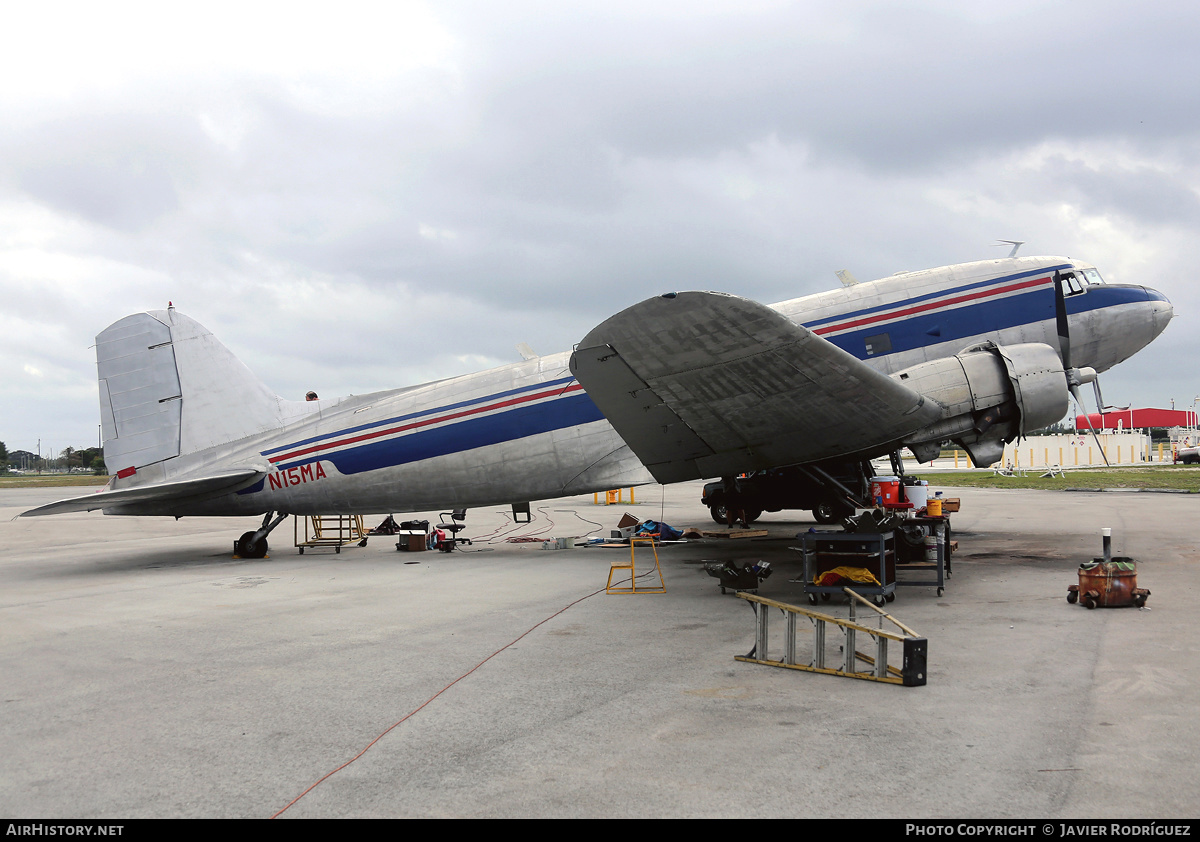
x: 855, y: 574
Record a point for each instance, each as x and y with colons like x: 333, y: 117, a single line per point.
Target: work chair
x: 454, y: 525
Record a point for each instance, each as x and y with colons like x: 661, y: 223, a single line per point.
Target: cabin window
x: 1091, y: 277
x: 880, y: 343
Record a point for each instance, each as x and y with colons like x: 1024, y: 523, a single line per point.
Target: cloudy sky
x: 362, y: 196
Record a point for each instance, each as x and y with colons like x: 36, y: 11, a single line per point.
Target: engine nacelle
x: 990, y: 395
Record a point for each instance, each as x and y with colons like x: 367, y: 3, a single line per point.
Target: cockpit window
x: 1092, y: 277
x: 1071, y: 284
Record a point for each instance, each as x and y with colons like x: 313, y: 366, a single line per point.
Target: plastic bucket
x: 917, y: 494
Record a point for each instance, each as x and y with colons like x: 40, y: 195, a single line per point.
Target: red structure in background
x: 1134, y: 419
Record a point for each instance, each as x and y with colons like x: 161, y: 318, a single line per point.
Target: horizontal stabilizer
x: 704, y: 384
x: 224, y: 481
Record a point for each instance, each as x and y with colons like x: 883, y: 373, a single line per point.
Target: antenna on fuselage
x: 1016, y: 244
x: 526, y: 352
x: 846, y: 278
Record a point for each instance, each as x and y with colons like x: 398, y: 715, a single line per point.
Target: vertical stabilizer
x: 168, y: 387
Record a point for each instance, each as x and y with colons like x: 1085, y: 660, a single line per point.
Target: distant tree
x: 3, y: 457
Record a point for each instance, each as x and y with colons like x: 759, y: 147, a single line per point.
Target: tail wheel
x: 247, y: 547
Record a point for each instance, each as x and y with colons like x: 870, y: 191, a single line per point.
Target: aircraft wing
x: 157, y: 493
x: 704, y: 384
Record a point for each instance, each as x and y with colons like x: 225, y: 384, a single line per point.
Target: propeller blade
x: 1082, y: 411
x: 1060, y: 318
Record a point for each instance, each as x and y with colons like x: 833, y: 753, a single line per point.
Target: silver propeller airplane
x: 681, y: 386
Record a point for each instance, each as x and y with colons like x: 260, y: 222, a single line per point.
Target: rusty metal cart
x: 1108, y: 584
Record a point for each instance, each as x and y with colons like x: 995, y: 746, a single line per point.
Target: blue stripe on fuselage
x: 923, y: 329
x: 465, y: 435
x: 986, y: 317
x: 942, y: 293
x: 421, y: 414
x: 1109, y: 295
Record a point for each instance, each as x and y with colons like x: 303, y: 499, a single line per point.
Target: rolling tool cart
x: 874, y: 552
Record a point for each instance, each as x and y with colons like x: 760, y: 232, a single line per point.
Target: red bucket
x: 885, y: 491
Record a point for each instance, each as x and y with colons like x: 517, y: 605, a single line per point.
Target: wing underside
x: 164, y: 492
x: 703, y: 384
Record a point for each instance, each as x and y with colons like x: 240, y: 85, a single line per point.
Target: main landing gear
x: 254, y: 544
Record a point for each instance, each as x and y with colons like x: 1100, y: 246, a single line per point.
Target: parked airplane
x: 681, y: 386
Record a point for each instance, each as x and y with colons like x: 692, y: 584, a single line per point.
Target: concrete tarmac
x: 144, y: 672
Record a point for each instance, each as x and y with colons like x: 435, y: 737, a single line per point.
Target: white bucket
x: 918, y: 495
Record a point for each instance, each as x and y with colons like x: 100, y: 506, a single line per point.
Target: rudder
x: 168, y: 388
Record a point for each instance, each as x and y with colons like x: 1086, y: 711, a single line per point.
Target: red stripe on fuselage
x: 574, y: 387
x: 933, y: 305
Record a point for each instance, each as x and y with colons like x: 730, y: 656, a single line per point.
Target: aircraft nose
x: 1162, y: 309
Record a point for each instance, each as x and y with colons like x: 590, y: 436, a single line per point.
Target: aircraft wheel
x: 830, y: 512
x: 824, y: 513
x: 247, y: 547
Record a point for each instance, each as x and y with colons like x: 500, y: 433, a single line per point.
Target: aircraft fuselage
x: 528, y: 431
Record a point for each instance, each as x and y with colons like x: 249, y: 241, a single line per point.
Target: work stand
x: 661, y: 587
x: 334, y: 531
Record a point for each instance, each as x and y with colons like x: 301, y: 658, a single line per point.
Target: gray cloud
x: 372, y: 226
